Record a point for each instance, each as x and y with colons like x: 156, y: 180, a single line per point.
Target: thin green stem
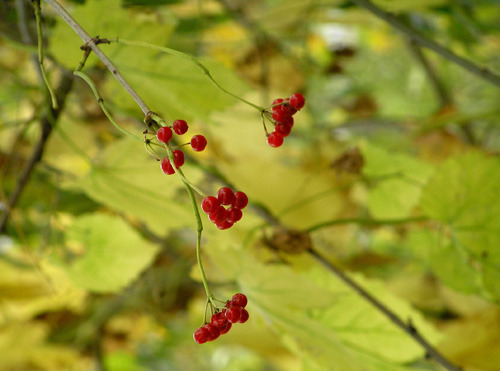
x: 38, y: 16
x: 199, y: 229
x: 180, y: 174
x: 365, y: 221
x: 188, y: 57
x: 89, y: 81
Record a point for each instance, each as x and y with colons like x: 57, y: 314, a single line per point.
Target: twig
x: 366, y: 221
x: 100, y: 101
x: 444, y: 96
x: 89, y: 41
x: 47, y: 124
x: 406, y: 327
x: 483, y: 72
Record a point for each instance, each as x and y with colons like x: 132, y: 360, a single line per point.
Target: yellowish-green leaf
x: 114, y: 255
x: 398, y: 179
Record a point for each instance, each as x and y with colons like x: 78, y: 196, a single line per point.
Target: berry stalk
x: 192, y: 59
x: 97, y: 96
x: 199, y: 229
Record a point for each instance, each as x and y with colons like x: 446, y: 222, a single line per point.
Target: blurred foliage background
x: 391, y: 173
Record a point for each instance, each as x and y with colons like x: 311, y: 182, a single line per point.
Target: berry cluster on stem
x: 214, y: 207
x: 165, y: 134
x: 222, y: 320
x: 282, y: 117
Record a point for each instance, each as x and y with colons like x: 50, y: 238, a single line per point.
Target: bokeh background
x: 391, y: 175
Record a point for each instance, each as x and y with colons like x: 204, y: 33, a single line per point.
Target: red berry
x: 214, y: 331
x: 244, y: 316
x: 283, y: 129
x: 288, y: 121
x: 297, y: 101
x: 280, y: 116
x: 210, y: 204
x: 225, y: 224
x: 225, y: 329
x: 167, y: 167
x: 201, y: 335
x: 288, y: 110
x: 233, y: 314
x: 178, y: 158
x: 164, y: 134
x: 275, y: 139
x: 226, y: 196
x: 218, y: 216
x: 218, y: 320
x: 198, y: 143
x: 234, y: 214
x: 240, y: 200
x: 277, y: 101
x: 239, y: 300
x: 180, y: 126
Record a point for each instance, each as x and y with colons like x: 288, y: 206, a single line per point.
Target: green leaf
x: 398, y: 178
x: 114, y: 253
x: 463, y: 194
x: 128, y: 180
x: 321, y: 318
x: 445, y: 260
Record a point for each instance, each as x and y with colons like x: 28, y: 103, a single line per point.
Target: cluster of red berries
x: 283, y: 110
x: 214, y: 206
x: 221, y: 322
x: 164, y: 134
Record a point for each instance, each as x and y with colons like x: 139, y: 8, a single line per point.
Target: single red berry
x: 218, y: 216
x: 275, y: 139
x: 210, y: 204
x: 213, y: 331
x: 201, y: 335
x: 234, y: 214
x: 226, y: 196
x: 297, y: 101
x: 225, y: 224
x: 233, y: 314
x: 167, y: 167
x: 218, y: 320
x: 180, y: 126
x: 244, y: 316
x: 280, y: 116
x: 288, y: 121
x: 239, y: 300
x: 277, y: 101
x: 225, y: 328
x: 240, y: 200
x: 288, y: 110
x: 178, y: 158
x: 164, y: 134
x: 198, y: 143
x: 283, y: 129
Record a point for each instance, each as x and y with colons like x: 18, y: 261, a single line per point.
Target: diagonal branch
x: 482, y: 72
x: 406, y: 327
x: 445, y: 97
x: 89, y: 41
